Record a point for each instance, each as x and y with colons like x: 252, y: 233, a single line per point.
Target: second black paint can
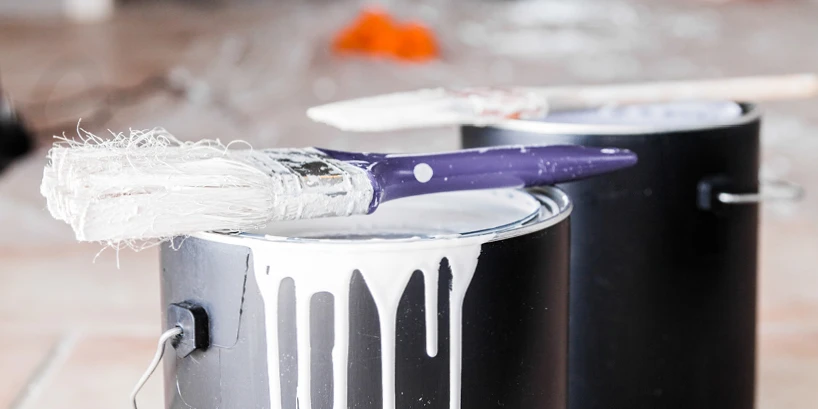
x: 663, y: 264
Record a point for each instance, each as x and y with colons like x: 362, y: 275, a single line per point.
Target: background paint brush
x: 151, y: 186
x: 486, y: 106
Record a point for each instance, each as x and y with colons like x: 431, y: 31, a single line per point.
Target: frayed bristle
x: 140, y: 189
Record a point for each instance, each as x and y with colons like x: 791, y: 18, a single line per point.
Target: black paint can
x: 663, y: 255
x: 440, y: 301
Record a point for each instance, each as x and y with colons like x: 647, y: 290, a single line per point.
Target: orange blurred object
x: 375, y: 33
x: 417, y: 43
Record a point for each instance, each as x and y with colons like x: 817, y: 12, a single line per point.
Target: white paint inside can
x: 678, y: 114
x: 442, y: 214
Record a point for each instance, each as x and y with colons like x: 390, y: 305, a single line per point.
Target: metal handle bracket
x: 717, y: 190
x: 193, y: 320
x: 774, y: 190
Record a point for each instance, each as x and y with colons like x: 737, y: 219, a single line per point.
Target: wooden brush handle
x: 741, y: 89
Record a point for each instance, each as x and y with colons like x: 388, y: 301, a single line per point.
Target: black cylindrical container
x: 663, y: 258
x: 295, y: 293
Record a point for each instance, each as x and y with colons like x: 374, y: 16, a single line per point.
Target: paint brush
x: 486, y: 106
x: 151, y: 186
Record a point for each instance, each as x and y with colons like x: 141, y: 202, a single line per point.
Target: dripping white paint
x: 386, y: 268
x: 387, y: 247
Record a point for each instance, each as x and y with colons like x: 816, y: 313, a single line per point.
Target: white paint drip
x: 386, y: 265
x: 430, y: 280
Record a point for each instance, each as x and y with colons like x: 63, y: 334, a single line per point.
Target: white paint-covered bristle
x: 429, y: 107
x: 150, y: 186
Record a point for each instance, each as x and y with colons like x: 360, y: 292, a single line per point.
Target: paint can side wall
x: 662, y: 293
x: 515, y: 321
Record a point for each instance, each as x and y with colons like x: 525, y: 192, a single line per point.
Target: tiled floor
x: 121, y: 358
x: 76, y: 333
x: 80, y: 332
x: 25, y: 353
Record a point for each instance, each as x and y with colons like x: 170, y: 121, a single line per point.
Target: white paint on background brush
x: 386, y: 266
x: 429, y: 107
x: 482, y: 106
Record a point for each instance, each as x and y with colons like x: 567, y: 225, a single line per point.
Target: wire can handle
x: 189, y: 331
x: 160, y: 351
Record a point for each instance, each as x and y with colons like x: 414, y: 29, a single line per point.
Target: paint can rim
x: 554, y: 207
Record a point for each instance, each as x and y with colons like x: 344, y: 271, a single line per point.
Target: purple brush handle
x: 395, y: 176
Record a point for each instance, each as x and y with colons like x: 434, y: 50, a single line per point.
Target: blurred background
x: 76, y: 331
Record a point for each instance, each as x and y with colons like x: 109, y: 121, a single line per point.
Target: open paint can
x: 439, y: 301
x: 663, y: 254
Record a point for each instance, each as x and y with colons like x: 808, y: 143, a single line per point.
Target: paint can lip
x: 751, y: 112
x: 554, y: 207
x: 559, y: 209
